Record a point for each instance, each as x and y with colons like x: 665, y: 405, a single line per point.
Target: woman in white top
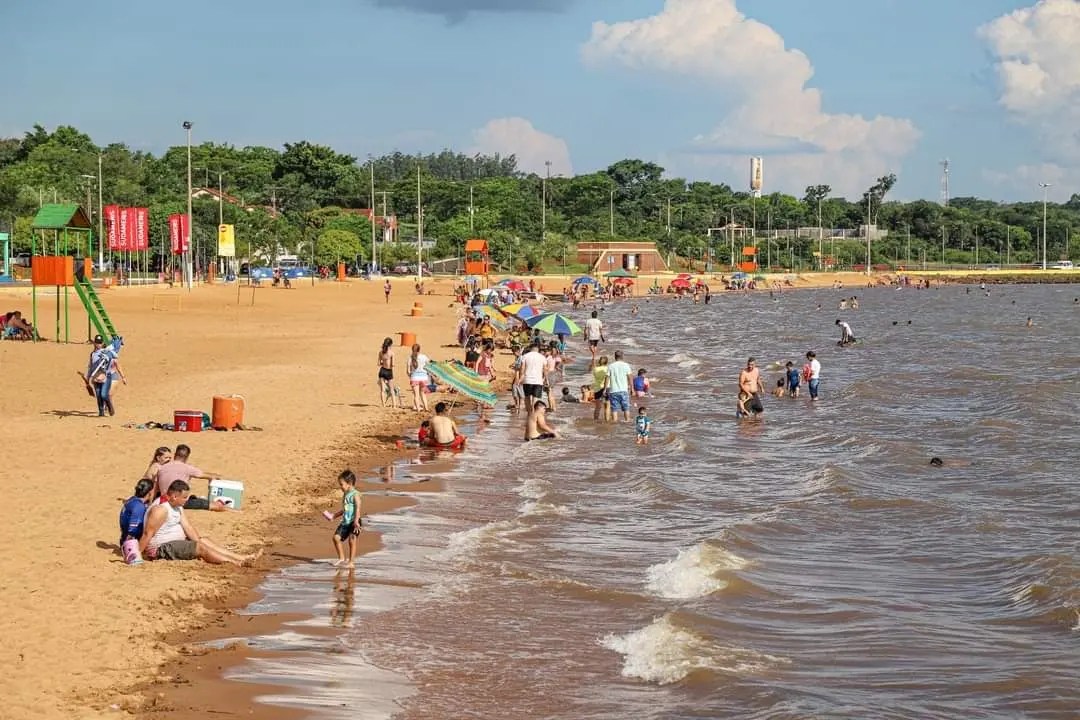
x: 419, y: 378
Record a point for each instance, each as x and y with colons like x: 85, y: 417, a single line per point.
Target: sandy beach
x: 81, y: 626
x: 86, y: 634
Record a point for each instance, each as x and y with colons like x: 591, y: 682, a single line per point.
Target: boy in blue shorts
x: 792, y: 379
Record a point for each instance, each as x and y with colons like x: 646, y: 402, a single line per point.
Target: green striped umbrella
x: 464, y: 380
x: 554, y: 324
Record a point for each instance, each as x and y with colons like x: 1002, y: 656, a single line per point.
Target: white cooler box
x: 230, y: 492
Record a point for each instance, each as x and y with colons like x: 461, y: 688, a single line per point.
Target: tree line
x: 311, y: 199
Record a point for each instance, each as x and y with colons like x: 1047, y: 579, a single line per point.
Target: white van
x: 1062, y: 265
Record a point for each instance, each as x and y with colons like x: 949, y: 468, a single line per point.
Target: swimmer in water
x: 778, y: 391
x: 1030, y: 322
x: 847, y: 337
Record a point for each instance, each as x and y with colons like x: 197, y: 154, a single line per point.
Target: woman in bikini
x: 386, y: 372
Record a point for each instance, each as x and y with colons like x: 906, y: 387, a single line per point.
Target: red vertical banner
x: 127, y: 230
x: 175, y: 234
x: 142, y: 228
x: 112, y: 226
x: 185, y: 234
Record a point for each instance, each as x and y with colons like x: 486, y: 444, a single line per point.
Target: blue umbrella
x: 586, y: 280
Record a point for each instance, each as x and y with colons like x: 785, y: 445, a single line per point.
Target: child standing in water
x: 643, y: 424
x: 349, y: 527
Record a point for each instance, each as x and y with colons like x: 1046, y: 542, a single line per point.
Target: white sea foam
x: 693, y: 573
x: 534, y: 488
x: 683, y: 360
x: 664, y: 653
x: 630, y: 342
x: 536, y: 508
x: 465, y: 544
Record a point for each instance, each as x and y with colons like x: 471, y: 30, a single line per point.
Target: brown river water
x: 807, y: 564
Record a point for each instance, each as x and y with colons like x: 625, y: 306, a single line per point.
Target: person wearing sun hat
x: 101, y: 371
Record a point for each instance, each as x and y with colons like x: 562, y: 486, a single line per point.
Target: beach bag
x: 130, y: 548
x: 806, y: 372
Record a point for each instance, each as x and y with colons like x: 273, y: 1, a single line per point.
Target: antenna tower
x: 945, y: 182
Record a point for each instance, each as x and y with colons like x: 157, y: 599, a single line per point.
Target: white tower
x: 945, y: 182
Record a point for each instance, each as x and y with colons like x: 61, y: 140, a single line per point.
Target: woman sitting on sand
x: 161, y: 456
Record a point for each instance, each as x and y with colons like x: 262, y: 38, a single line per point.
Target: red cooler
x: 187, y: 421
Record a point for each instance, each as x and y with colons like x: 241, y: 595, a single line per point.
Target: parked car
x: 1062, y: 265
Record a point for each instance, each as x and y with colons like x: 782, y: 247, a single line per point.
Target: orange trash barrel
x: 228, y: 412
x: 341, y: 272
x: 408, y: 339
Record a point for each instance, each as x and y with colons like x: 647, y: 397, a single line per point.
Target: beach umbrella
x: 624, y: 281
x: 618, y: 273
x: 680, y: 283
x: 738, y: 276
x: 553, y: 324
x: 492, y: 313
x: 521, y: 310
x: 585, y: 280
x: 464, y: 380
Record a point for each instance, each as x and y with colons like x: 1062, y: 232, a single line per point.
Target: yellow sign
x: 226, y: 241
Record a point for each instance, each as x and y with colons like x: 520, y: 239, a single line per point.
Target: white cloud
x: 1023, y: 181
x: 1037, y: 58
x: 776, y: 113
x: 533, y: 148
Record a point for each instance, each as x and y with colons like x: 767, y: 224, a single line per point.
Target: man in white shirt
x: 533, y: 372
x: 815, y: 374
x: 620, y: 375
x: 594, y: 333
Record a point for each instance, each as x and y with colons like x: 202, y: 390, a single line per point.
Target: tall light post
x: 611, y: 211
x: 669, y: 217
x: 1045, y: 187
x: 371, y: 265
x: 419, y: 229
x: 543, y: 200
x: 869, y: 199
x: 820, y: 238
x: 101, y: 218
x: 472, y: 211
x: 187, y: 125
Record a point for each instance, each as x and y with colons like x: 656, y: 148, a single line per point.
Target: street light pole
x: 543, y: 201
x: 371, y: 265
x: 419, y: 229
x: 669, y: 217
x: 187, y: 125
x: 472, y: 211
x: 869, y: 198
x: 820, y: 248
x: 611, y: 211
x: 101, y: 219
x: 1045, y: 187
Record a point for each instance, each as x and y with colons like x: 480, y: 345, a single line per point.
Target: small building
x: 635, y: 257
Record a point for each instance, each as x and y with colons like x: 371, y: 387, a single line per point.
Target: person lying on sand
x: 167, y: 534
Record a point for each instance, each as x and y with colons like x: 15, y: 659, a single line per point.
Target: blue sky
x: 696, y: 85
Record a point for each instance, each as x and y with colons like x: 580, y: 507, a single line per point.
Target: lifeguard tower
x: 749, y: 263
x: 62, y: 229
x: 477, y: 257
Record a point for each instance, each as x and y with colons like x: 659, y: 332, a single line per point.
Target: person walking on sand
x: 751, y: 384
x: 419, y: 378
x: 102, y: 369
x: 386, y: 287
x: 348, y: 530
x: 594, y: 334
x: 386, y: 373
x: 167, y: 534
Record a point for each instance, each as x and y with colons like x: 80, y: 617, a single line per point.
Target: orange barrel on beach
x: 187, y: 421
x: 228, y: 412
x: 341, y: 272
x: 408, y: 339
x: 417, y: 310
